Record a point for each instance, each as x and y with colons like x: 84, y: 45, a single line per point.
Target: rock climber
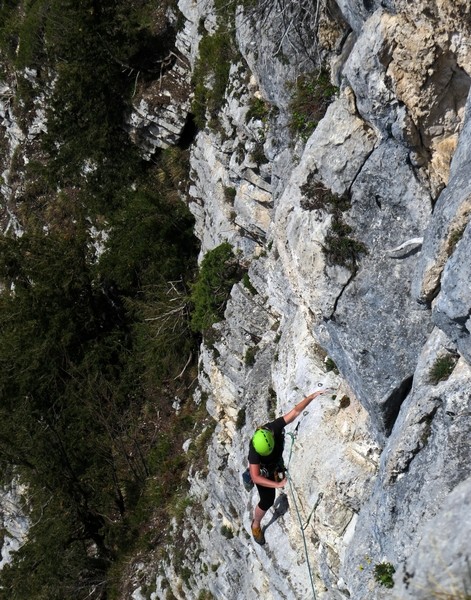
x: 266, y: 461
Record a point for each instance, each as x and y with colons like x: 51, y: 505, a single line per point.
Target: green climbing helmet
x: 263, y: 442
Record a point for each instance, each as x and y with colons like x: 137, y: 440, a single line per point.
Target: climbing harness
x: 301, y: 526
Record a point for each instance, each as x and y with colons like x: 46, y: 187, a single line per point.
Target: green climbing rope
x: 301, y: 526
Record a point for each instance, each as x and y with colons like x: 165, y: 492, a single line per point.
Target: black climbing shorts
x: 267, y: 497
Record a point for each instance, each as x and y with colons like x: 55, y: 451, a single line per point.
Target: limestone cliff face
x: 380, y: 469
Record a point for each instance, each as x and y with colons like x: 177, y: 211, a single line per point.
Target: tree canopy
x: 95, y: 341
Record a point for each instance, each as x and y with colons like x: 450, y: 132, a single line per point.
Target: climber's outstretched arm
x: 298, y: 409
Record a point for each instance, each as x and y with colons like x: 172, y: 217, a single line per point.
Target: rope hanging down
x: 319, y: 498
x: 301, y: 526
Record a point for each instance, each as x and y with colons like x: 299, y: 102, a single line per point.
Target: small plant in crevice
x: 330, y: 365
x: 271, y: 403
x: 239, y: 154
x: 367, y: 559
x: 312, y: 93
x: 241, y: 418
x: 442, y: 368
x: 186, y: 574
x: 178, y: 509
x: 454, y: 238
x: 227, y: 532
x: 339, y: 247
x: 383, y: 574
x: 229, y: 194
x: 258, y: 110
x: 258, y: 155
x: 205, y: 595
x: 316, y: 196
x: 250, y: 356
x: 248, y: 284
x: 426, y: 432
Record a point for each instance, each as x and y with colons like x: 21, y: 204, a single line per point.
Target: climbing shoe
x: 258, y: 535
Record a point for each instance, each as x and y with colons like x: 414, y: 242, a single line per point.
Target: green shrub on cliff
x: 312, y: 93
x: 383, y: 573
x: 442, y: 368
x: 340, y: 247
x: 211, y: 75
x: 219, y: 271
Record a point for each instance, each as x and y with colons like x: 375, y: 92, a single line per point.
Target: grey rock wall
x: 376, y: 312
x: 424, y: 460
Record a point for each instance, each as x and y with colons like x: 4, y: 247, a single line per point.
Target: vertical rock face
x: 161, y: 106
x: 443, y: 277
x: 358, y: 247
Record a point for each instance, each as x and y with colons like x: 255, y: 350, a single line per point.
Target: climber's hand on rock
x: 282, y: 483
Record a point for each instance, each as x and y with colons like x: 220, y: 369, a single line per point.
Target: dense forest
x: 96, y: 339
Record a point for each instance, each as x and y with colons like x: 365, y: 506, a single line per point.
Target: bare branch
x: 184, y: 368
